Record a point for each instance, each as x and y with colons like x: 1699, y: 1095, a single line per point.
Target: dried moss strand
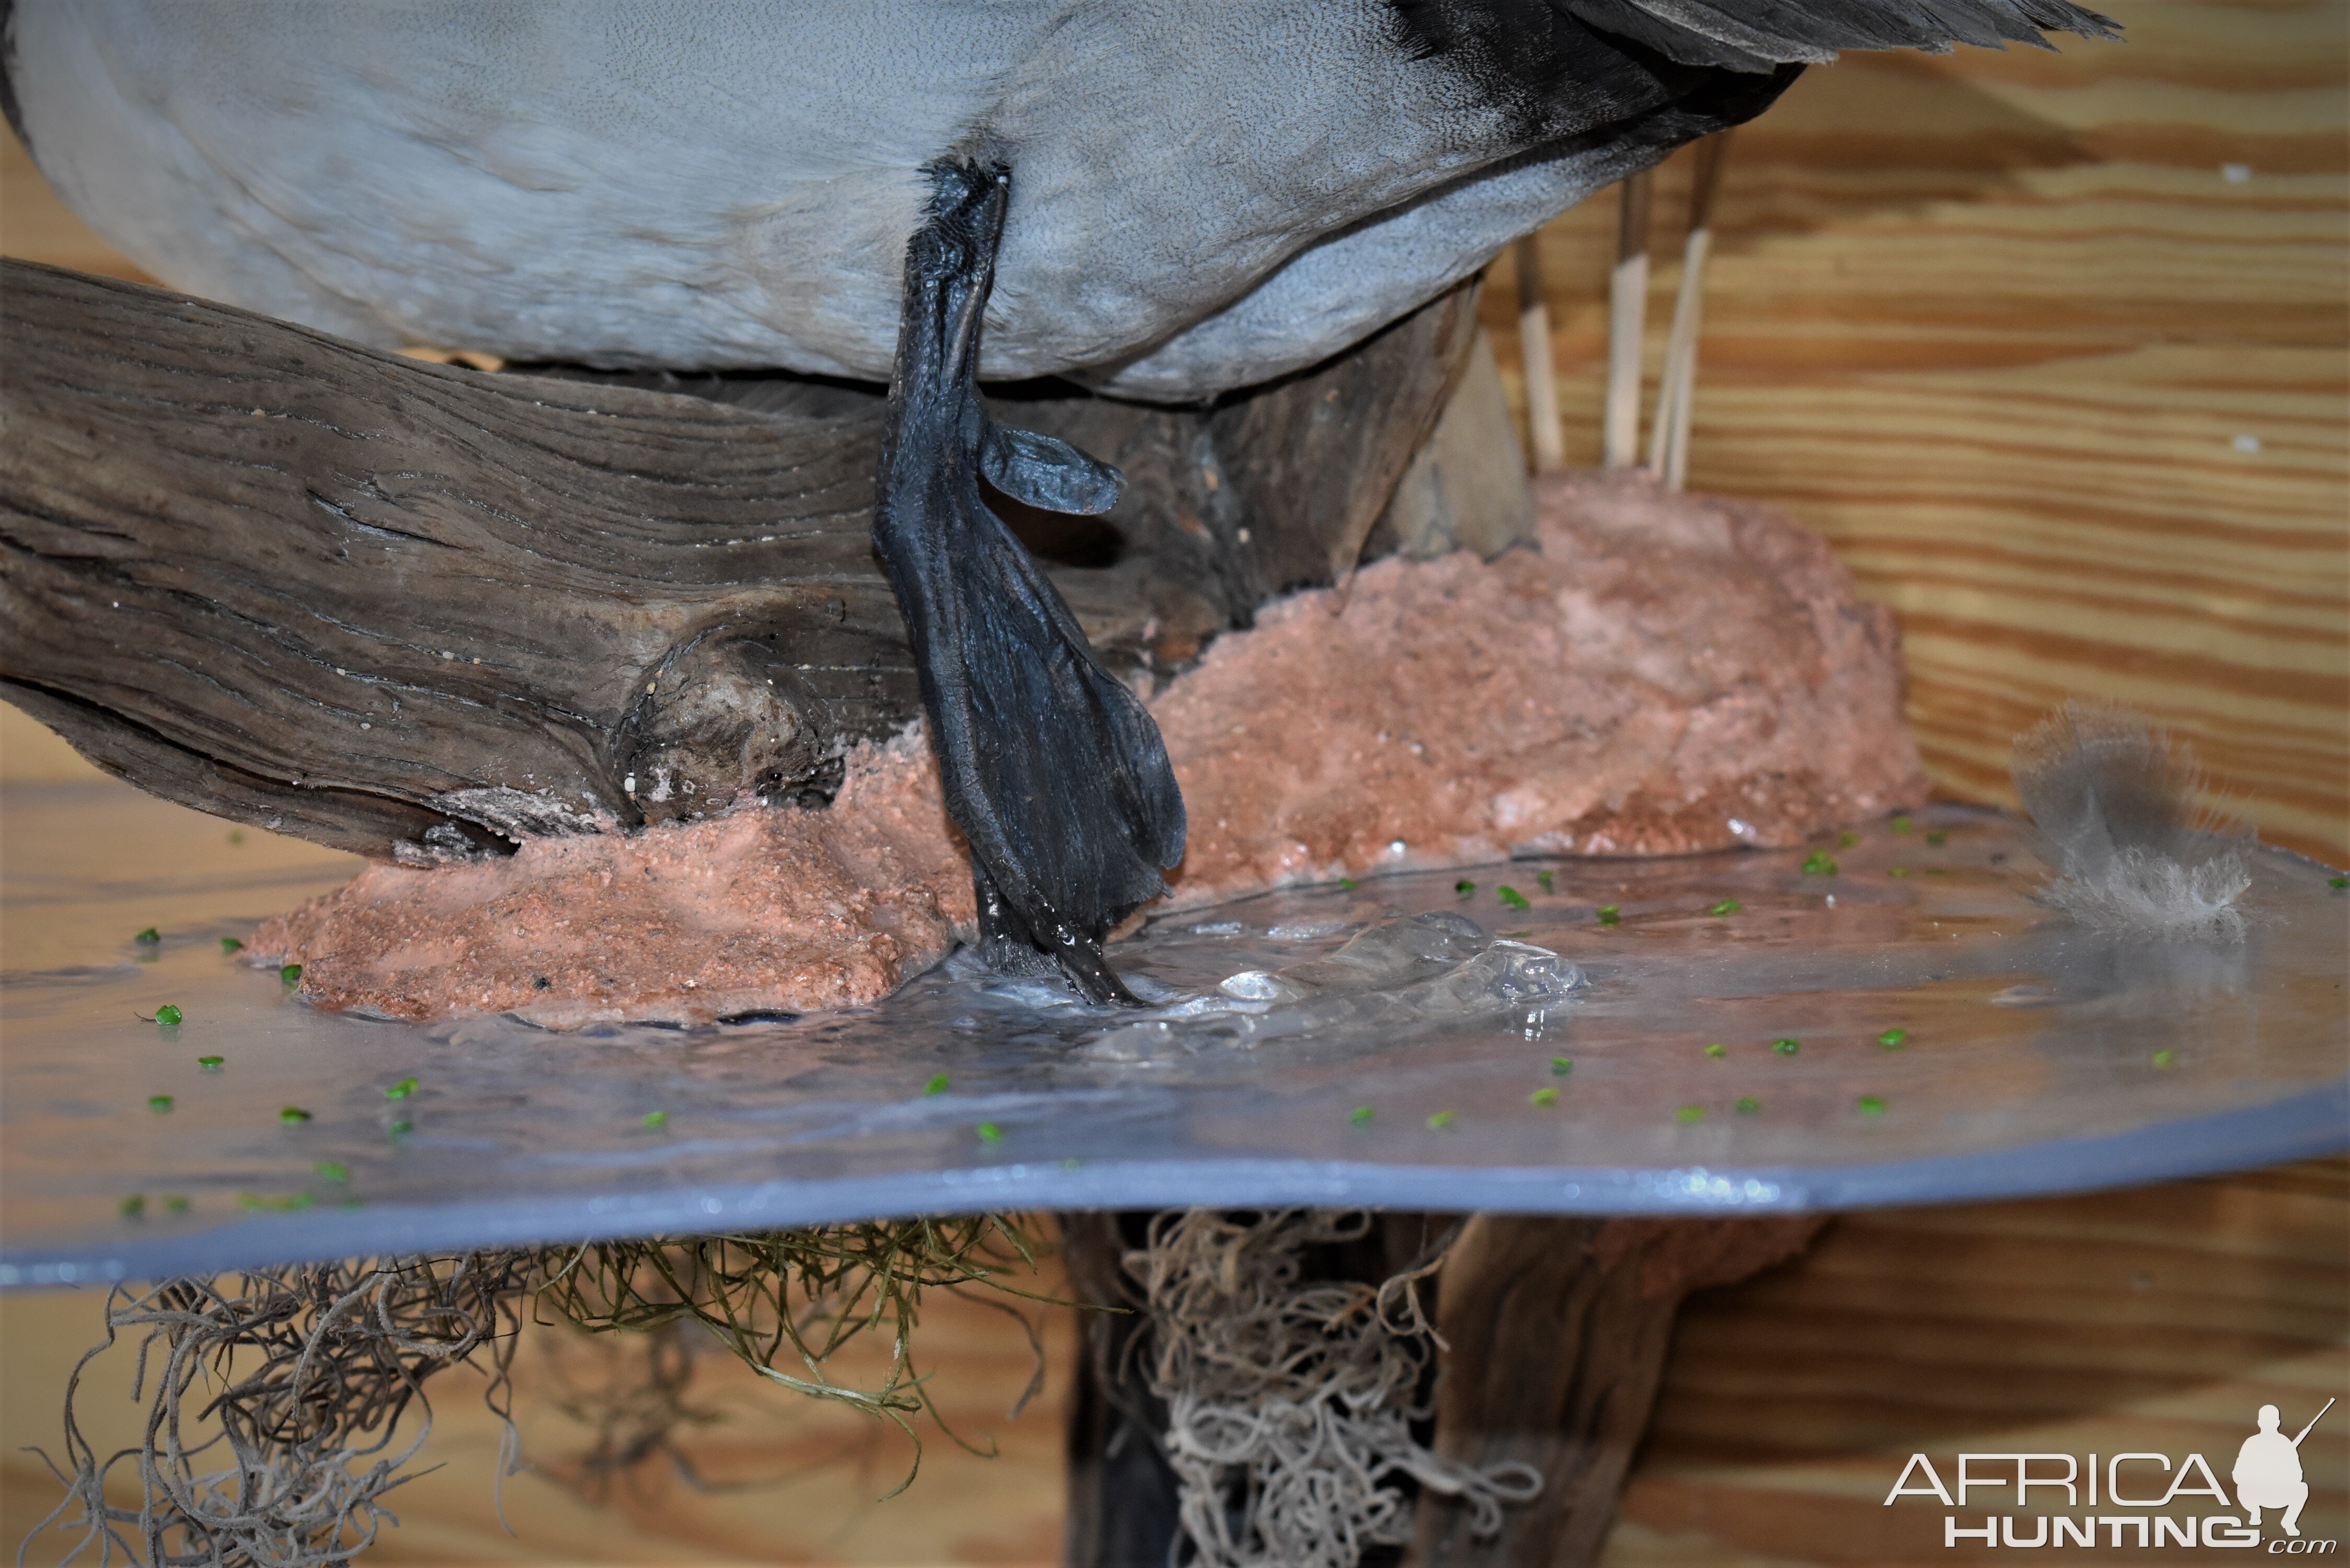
x: 286, y: 1462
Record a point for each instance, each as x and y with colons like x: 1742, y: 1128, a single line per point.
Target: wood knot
x: 720, y: 717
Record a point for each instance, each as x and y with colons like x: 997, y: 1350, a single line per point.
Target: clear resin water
x: 1713, y: 1034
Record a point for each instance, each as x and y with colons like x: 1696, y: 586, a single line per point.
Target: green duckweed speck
x: 656, y: 1118
x: 2166, y: 1058
x: 150, y: 936
x: 1870, y: 1105
x: 1901, y: 823
x: 1609, y: 915
x: 402, y: 1089
x: 1938, y: 839
x: 1893, y: 1038
x: 167, y: 1015
x: 1511, y: 896
x: 330, y: 1171
x: 231, y: 945
x: 1464, y: 887
x: 1560, y: 1066
x: 990, y: 1133
x: 937, y: 1086
x: 1897, y: 871
x: 293, y: 1116
x: 159, y: 1103
x: 1846, y: 840
x: 289, y: 974
x: 286, y: 1205
x: 1440, y: 1120
x: 1786, y: 1047
x: 1360, y: 1115
x: 133, y: 1206
x: 1347, y: 883
x: 1545, y: 1096
x: 175, y: 1205
x: 211, y: 1064
x: 1749, y: 1106
x: 1544, y: 877
x: 1717, y: 1051
x: 1727, y: 906
x: 1819, y: 863
x: 1690, y: 1113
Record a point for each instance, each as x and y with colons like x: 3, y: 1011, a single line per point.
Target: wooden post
x: 1546, y: 434
x: 1668, y: 436
x: 1122, y: 1498
x: 1555, y: 1331
x: 1628, y: 307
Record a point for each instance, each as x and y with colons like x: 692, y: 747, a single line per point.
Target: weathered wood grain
x: 1554, y: 1336
x: 392, y: 606
x: 1122, y: 1496
x: 417, y: 610
x: 1272, y: 488
x: 1993, y: 324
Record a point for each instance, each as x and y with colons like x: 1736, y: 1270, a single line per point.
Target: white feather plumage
x: 2124, y: 824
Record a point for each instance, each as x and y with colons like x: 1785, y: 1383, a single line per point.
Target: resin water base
x: 1907, y: 1028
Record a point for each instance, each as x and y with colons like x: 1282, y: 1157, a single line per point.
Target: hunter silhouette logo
x: 2268, y: 1471
x: 2119, y: 1501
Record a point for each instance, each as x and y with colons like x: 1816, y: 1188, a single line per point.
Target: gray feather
x: 2124, y: 824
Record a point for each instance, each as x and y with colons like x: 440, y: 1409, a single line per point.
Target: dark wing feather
x: 1756, y: 34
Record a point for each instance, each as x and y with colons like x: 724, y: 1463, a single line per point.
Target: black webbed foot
x: 1054, y: 770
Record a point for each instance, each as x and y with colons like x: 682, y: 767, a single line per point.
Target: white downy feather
x: 2123, y: 826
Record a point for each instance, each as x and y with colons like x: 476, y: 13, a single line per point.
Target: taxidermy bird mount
x: 1164, y: 201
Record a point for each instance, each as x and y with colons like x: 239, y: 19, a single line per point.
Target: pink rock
x: 1670, y: 673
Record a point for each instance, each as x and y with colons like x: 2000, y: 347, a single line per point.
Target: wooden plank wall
x: 1997, y: 326
x: 2157, y: 1320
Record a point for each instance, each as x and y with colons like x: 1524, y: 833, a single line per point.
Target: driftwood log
x: 420, y: 611
x: 1555, y: 1332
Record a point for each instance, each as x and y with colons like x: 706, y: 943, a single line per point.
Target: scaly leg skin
x: 1053, y: 769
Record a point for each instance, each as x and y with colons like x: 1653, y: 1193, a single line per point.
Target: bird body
x: 1209, y: 195
x: 696, y: 183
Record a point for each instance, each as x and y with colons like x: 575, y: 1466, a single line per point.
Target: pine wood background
x: 1993, y: 325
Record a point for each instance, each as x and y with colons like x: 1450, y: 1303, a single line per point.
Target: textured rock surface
x: 1666, y: 674
x: 755, y: 911
x: 1670, y: 673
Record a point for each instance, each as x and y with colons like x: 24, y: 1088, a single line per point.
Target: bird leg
x: 1053, y: 769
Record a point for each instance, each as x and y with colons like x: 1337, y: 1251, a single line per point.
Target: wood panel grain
x: 2156, y: 1320
x: 1997, y: 326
